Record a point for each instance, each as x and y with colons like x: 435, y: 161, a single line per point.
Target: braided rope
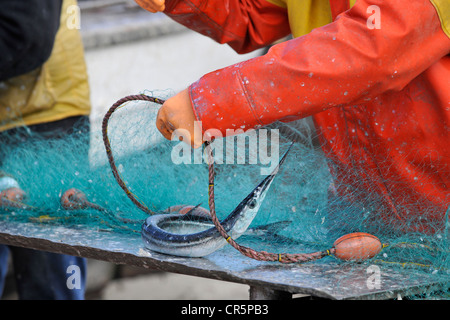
x: 251, y: 253
x: 141, y: 97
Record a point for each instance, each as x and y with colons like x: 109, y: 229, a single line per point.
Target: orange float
x: 12, y: 197
x: 13, y: 194
x: 356, y: 246
x: 73, y: 199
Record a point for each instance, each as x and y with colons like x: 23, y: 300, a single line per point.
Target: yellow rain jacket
x: 57, y: 90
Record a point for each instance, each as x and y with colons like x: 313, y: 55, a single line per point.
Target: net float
x: 12, y: 197
x: 73, y: 199
x: 356, y: 246
x: 13, y: 194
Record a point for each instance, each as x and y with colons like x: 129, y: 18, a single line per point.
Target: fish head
x: 246, y: 210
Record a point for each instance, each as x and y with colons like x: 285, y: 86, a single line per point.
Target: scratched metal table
x: 266, y: 280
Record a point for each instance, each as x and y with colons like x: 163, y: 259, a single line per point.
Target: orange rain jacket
x: 380, y: 97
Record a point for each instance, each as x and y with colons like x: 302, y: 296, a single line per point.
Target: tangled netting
x: 302, y: 212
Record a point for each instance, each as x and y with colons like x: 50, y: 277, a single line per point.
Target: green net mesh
x: 302, y: 212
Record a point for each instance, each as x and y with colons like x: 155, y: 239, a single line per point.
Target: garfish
x: 194, y: 235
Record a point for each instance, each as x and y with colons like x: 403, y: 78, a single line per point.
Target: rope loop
x: 251, y: 253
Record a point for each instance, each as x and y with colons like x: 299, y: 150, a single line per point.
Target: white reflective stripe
x: 8, y: 182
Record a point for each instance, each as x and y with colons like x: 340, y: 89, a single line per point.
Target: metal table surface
x: 267, y: 280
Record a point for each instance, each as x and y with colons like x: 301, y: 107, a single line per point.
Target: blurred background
x: 129, y: 50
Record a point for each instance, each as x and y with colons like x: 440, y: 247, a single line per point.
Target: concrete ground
x: 173, y: 287
x: 169, y: 286
x: 166, y: 58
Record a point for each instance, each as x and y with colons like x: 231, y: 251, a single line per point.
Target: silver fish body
x: 192, y: 235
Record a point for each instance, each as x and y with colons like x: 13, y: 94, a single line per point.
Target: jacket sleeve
x: 245, y: 25
x: 27, y: 33
x: 342, y: 63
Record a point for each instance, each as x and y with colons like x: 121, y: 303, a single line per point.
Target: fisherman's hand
x: 176, y: 116
x: 152, y: 5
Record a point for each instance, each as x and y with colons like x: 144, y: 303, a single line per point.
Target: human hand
x: 176, y: 116
x: 152, y: 5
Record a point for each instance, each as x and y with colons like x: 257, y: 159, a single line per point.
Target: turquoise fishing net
x: 301, y: 213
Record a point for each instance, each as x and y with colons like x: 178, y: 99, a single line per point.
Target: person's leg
x: 44, y: 275
x: 4, y: 258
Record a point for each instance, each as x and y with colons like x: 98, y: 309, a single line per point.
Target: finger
x: 165, y: 132
x: 160, y: 4
x: 165, y: 122
x: 152, y: 6
x: 161, y: 126
x: 156, y: 8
